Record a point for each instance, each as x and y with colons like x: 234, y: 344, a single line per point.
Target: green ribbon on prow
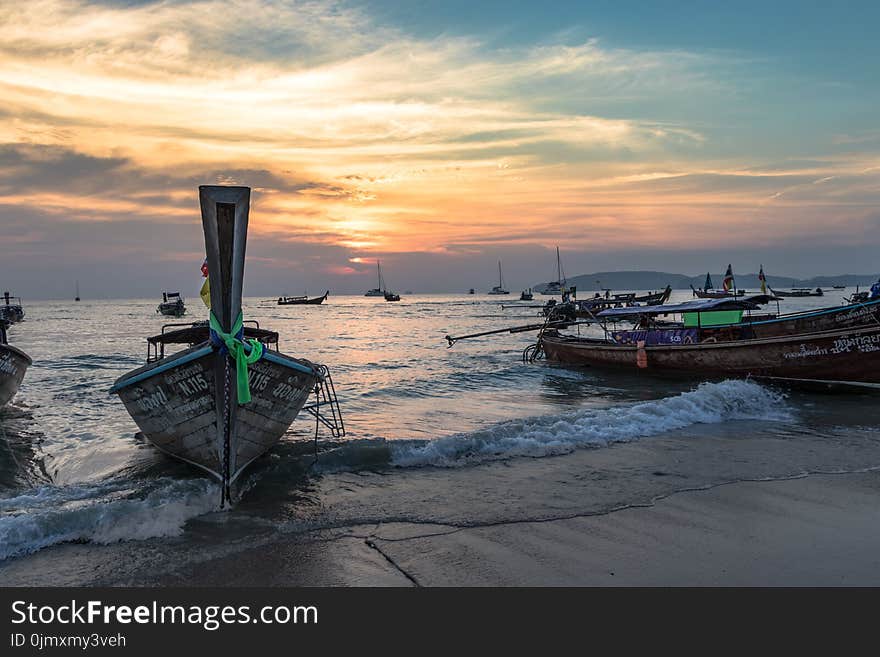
x: 237, y: 350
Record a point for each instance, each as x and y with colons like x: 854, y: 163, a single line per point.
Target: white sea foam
x: 51, y: 515
x: 709, y: 403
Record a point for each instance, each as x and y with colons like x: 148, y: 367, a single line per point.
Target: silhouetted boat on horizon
x: 12, y: 309
x: 303, y: 300
x: 172, y: 305
x: 499, y: 289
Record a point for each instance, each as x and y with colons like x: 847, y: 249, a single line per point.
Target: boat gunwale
x: 198, y: 351
x: 18, y: 352
x: 799, y: 314
x: 725, y: 344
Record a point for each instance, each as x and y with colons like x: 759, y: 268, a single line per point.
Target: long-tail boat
x: 13, y: 365
x: 12, y: 309
x: 588, y: 307
x: 798, y: 292
x: 717, y: 294
x: 798, y: 347
x: 229, y: 397
x: 303, y: 300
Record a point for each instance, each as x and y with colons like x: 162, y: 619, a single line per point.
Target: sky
x: 438, y: 137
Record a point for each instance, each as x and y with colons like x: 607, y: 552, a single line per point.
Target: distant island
x: 657, y: 280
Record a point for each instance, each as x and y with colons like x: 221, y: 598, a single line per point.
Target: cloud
x: 362, y: 139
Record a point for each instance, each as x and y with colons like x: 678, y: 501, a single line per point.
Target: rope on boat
x: 536, y: 351
x: 237, y: 345
x: 227, y: 435
x: 558, y: 314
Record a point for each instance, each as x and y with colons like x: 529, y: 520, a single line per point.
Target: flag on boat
x: 763, y: 280
x: 205, y: 292
x: 728, y: 279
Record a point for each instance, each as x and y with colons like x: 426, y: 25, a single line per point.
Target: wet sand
x: 821, y: 530
x: 657, y: 512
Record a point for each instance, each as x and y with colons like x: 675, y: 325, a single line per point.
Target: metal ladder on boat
x: 325, y: 407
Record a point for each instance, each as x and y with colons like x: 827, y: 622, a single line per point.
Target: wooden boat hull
x: 11, y: 314
x: 303, y: 301
x: 797, y: 293
x: 702, y: 294
x: 844, y: 356
x: 13, y: 365
x: 178, y: 401
x: 172, y: 309
x: 826, y: 319
x: 588, y: 308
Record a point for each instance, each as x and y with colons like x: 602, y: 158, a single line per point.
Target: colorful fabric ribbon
x: 237, y: 349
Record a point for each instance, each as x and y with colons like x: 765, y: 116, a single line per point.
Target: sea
x: 463, y: 436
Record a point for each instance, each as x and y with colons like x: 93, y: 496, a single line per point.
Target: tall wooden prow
x: 225, y: 222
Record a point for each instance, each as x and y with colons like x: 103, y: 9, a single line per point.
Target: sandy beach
x: 657, y: 512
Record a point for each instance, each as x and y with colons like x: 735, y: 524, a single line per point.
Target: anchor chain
x: 224, y: 493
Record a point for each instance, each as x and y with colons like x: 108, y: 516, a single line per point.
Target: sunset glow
x: 365, y: 138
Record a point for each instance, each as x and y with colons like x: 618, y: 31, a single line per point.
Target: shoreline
x: 725, y: 510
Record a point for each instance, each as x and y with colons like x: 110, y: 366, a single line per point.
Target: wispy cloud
x: 364, y: 139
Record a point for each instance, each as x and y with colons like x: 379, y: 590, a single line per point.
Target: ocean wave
x: 709, y: 403
x: 106, y: 513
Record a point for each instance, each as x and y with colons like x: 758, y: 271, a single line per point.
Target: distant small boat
x: 717, y: 294
x: 499, y: 289
x: 798, y: 292
x: 382, y: 291
x: 557, y: 287
x: 526, y: 295
x: 303, y: 300
x: 11, y: 310
x: 708, y: 291
x: 13, y: 364
x: 471, y: 291
x: 376, y: 291
x: 172, y: 305
x: 838, y: 287
x: 588, y: 307
x: 77, y: 291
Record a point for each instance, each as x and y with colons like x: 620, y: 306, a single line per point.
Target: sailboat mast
x: 500, y: 279
x: 559, y: 275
